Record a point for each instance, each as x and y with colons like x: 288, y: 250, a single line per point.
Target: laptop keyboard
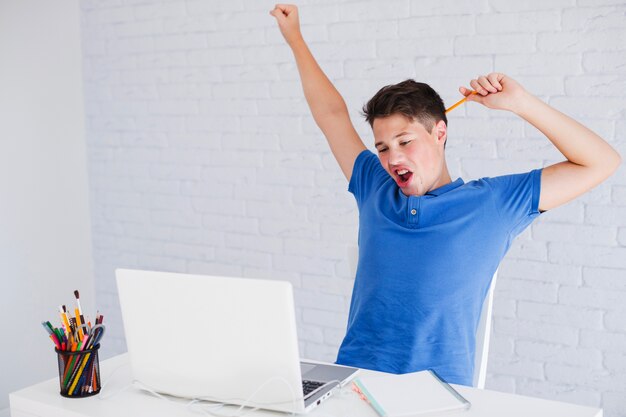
x: 310, y: 386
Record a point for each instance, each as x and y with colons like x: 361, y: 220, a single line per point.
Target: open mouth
x: 403, y: 177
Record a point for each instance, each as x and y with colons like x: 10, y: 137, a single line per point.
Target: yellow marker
x: 458, y: 103
x: 78, y: 324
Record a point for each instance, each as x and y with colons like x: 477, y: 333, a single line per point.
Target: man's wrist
x: 297, y: 42
x: 524, y: 104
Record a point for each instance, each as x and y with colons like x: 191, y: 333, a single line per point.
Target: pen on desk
x: 89, y: 374
x: 78, y: 323
x: 53, y: 333
x: 76, y: 376
x: 73, y: 324
x: 69, y: 370
x: 68, y: 335
x: 61, y: 336
x: 94, y: 378
x: 47, y: 323
x: 64, y: 320
x: 55, y: 341
x: 84, y: 363
x: 58, y: 333
x: 47, y: 327
x: 72, y: 369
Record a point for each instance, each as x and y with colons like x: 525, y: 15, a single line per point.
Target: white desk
x: 43, y: 400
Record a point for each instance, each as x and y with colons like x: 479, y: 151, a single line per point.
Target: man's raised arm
x: 327, y: 106
x: 590, y: 160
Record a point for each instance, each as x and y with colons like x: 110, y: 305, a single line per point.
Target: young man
x: 428, y: 246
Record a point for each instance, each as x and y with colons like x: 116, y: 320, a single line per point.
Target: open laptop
x: 228, y: 340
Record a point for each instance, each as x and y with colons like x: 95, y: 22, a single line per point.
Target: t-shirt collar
x: 447, y: 187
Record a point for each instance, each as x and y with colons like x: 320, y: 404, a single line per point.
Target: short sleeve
x: 516, y: 199
x: 367, y: 174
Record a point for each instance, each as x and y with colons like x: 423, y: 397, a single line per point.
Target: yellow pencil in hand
x: 458, y: 103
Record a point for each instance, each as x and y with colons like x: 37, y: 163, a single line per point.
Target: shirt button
x: 414, y: 212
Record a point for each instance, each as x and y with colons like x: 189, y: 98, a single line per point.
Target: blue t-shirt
x: 425, y: 266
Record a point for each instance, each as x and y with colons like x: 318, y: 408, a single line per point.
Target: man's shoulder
x: 503, y: 181
x: 367, y: 168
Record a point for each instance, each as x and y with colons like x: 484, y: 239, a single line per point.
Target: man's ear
x: 442, y: 131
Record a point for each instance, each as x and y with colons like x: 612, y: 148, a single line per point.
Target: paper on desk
x: 415, y: 394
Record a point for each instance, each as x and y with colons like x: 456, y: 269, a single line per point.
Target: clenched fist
x: 287, y: 17
x: 496, y: 91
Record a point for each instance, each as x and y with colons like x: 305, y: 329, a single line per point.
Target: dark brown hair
x: 416, y: 101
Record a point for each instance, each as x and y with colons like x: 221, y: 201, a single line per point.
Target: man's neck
x: 443, y: 179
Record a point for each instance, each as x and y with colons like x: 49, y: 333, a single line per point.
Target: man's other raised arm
x: 327, y: 106
x: 590, y: 160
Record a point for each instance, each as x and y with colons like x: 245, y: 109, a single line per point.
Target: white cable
x: 196, y: 401
x: 106, y: 397
x: 219, y: 403
x: 101, y: 396
x: 237, y: 412
x: 144, y: 387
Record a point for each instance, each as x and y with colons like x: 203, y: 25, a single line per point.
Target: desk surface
x: 118, y: 398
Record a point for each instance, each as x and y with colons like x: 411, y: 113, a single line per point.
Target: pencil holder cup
x: 79, y: 372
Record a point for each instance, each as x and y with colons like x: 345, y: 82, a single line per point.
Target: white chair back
x: 483, y: 333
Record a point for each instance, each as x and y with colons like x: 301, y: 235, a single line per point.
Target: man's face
x: 412, y: 156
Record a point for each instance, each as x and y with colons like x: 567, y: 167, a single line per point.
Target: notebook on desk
x: 228, y: 340
x: 421, y: 393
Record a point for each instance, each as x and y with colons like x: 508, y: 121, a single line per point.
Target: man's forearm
x: 590, y: 160
x: 576, y: 142
x: 322, y: 97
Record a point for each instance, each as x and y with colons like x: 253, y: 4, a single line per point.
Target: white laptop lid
x: 211, y: 337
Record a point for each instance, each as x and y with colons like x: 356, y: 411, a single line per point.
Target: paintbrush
x: 77, y: 295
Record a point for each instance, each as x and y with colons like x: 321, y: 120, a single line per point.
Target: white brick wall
x: 203, y: 158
